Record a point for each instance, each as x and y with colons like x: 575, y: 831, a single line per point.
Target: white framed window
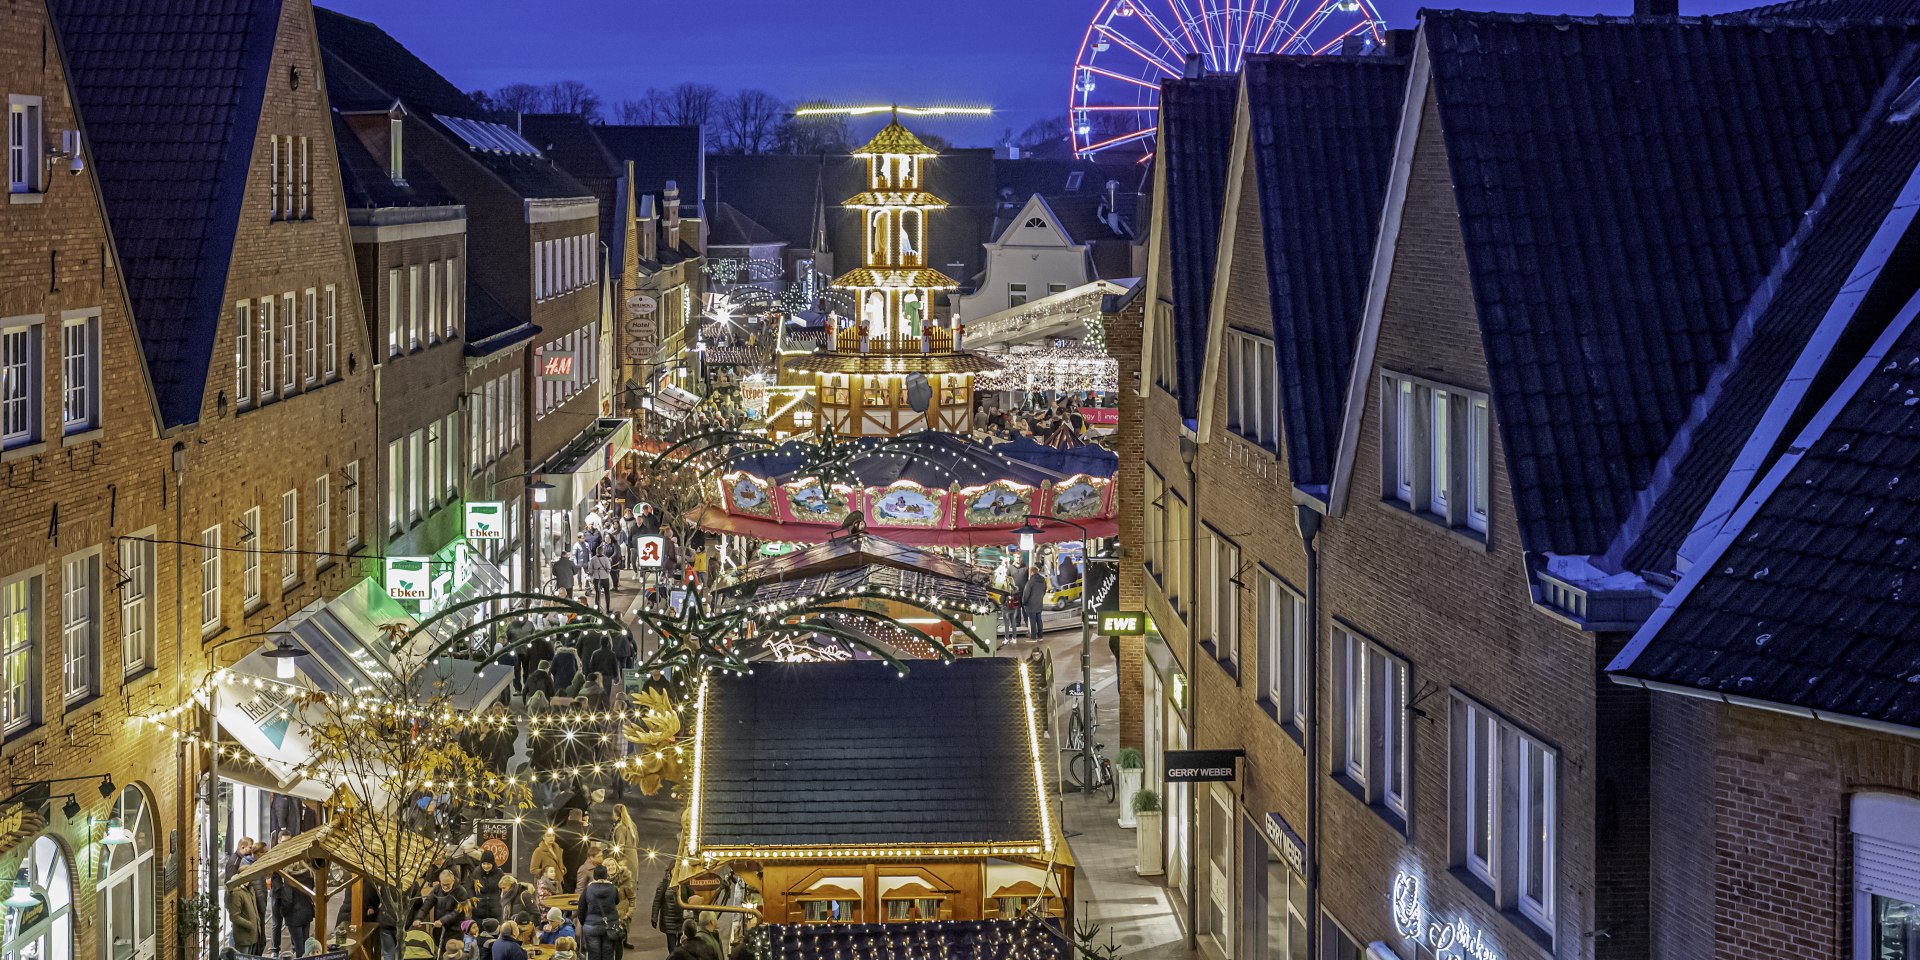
x: 414, y: 318
x: 80, y: 625
x: 433, y: 302
x: 243, y: 353
x: 330, y: 333
x: 1252, y: 385
x: 1223, y: 596
x: 289, y: 537
x: 26, y: 167
x: 1506, y: 801
x: 450, y: 311
x: 322, y: 521
x: 126, y: 888
x: 430, y: 477
x: 1886, y: 887
x: 80, y: 373
x: 19, y: 652
x: 352, y: 506
x: 514, y: 420
x: 416, y: 473
x: 210, y: 579
x: 137, y: 582
x: 263, y: 348
x: 289, y: 344
x: 396, y: 152
x: 396, y: 483
x: 1282, y: 616
x: 310, y: 337
x: 306, y: 177
x: 1435, y: 450
x: 1016, y: 295
x: 1505, y: 811
x: 1156, y: 532
x: 1479, y: 475
x: 450, y: 455
x: 1370, y: 697
x: 275, y: 188
x: 396, y: 312
x: 20, y: 373
x: 251, y: 539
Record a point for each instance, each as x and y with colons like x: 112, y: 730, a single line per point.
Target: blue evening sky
x: 1013, y: 55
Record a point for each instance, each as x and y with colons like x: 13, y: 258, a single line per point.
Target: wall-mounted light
x: 283, y: 654
x: 540, y: 488
x: 116, y: 835
x: 23, y: 896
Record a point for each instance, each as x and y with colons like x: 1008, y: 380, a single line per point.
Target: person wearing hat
x: 485, y: 884
x: 557, y: 926
x: 600, y: 914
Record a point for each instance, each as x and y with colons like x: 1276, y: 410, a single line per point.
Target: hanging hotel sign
x: 650, y: 551
x: 556, y: 365
x: 1201, y: 766
x: 484, y: 521
x: 408, y: 578
x: 1457, y: 939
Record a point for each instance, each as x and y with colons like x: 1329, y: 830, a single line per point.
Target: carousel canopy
x: 1018, y: 939
x: 935, y: 459
x: 860, y: 561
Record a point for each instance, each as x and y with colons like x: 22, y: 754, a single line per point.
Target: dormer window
x: 394, y: 149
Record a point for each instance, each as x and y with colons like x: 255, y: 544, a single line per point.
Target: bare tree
x: 648, y: 109
x: 571, y: 96
x: 749, y: 121
x: 692, y: 104
x: 1043, y: 136
x: 519, y: 98
x: 824, y: 133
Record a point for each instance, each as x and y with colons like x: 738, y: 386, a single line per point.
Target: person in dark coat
x: 540, y: 681
x: 564, y: 572
x: 485, y: 884
x: 293, y: 908
x: 516, y: 899
x: 1033, y: 600
x: 507, y: 945
x: 667, y: 912
x: 599, y: 910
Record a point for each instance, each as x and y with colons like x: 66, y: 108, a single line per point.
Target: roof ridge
x: 1729, y: 18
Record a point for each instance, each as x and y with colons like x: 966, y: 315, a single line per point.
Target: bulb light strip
x: 1039, y: 773
x: 699, y: 748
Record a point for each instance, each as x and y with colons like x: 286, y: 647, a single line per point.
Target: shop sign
x: 1123, y: 623
x: 484, y: 521
x: 1100, y: 589
x: 556, y: 365
x: 496, y: 836
x: 1292, y: 849
x: 17, y: 823
x: 1201, y: 766
x: 408, y: 578
x: 650, y: 552
x: 1457, y: 939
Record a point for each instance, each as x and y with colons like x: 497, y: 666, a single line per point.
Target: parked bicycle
x: 1078, y: 732
x: 1103, y: 778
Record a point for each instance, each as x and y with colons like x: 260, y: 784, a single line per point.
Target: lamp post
x: 1027, y: 532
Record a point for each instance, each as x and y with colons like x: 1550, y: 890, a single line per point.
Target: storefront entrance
x: 39, y: 923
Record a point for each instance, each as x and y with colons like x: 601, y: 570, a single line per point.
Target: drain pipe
x: 1189, y: 452
x: 1308, y: 520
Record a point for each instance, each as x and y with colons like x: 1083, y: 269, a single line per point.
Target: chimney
x: 670, y: 213
x: 1353, y: 45
x: 1194, y: 70
x: 1656, y: 8
x: 1400, y: 42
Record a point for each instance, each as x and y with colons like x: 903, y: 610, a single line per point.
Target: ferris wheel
x: 1132, y: 45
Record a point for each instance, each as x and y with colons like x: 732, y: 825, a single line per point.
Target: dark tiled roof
x: 1812, y: 599
x: 364, y: 178
x: 1623, y: 188
x: 1196, y: 120
x: 785, y: 194
x: 1323, y: 140
x: 1837, y: 10
x: 1019, y: 179
x: 854, y: 753
x: 568, y: 140
x: 170, y: 93
x: 659, y: 154
x: 728, y: 227
x: 490, y: 327
x: 1817, y: 264
x: 383, y: 64
x: 1080, y: 214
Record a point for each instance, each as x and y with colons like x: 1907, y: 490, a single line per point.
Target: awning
x: 671, y: 402
x: 715, y: 520
x: 577, y: 469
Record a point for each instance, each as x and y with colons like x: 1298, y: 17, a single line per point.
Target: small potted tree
x: 1132, y: 764
x: 1147, y: 838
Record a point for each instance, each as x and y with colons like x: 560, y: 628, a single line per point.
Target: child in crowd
x: 563, y: 948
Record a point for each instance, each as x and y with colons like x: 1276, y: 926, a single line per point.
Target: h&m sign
x: 1201, y: 766
x: 556, y: 365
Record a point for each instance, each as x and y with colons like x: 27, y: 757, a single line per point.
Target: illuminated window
x: 1504, y: 798
x: 80, y: 373
x: 322, y: 520
x: 20, y: 373
x: 876, y: 393
x: 243, y: 353
x: 80, y: 625
x: 1436, y: 451
x: 210, y: 579
x: 137, y: 581
x: 1371, y: 729
x: 1282, y: 616
x: 250, y: 559
x: 289, y: 537
x: 26, y: 166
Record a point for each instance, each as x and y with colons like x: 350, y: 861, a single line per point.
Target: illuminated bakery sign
x: 1455, y: 939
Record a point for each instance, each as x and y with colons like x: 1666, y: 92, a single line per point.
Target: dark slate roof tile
x: 728, y: 227
x: 659, y: 154
x: 170, y: 94
x: 854, y: 753
x: 1590, y: 154
x: 1323, y: 141
x: 1195, y: 143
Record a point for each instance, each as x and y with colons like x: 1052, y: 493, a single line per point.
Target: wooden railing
x: 931, y: 340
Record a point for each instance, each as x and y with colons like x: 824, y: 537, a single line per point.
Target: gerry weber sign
x: 1457, y: 939
x: 1201, y: 766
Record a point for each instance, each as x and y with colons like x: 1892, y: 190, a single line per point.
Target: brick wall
x: 1123, y: 331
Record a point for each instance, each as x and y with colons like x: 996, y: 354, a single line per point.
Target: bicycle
x: 1078, y: 730
x: 1102, y: 772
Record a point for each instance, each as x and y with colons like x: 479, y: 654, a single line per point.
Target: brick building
x: 452, y: 368
x: 84, y: 598
x: 208, y: 131
x: 1411, y: 657
x: 533, y: 246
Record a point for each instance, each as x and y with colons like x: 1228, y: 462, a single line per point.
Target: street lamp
x: 283, y: 653
x: 23, y: 895
x: 1026, y: 532
x: 540, y: 488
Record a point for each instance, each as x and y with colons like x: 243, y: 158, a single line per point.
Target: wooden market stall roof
x: 805, y: 760
x: 365, y: 846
